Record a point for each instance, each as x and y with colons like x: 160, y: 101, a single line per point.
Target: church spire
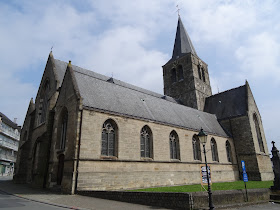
x: 183, y: 43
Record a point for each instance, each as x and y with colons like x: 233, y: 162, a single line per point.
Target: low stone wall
x: 225, y: 198
x: 160, y: 199
x: 196, y: 200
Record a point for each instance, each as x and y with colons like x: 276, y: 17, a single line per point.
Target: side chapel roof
x: 98, y: 92
x: 228, y: 104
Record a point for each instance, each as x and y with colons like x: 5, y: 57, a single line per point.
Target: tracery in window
x: 214, y: 150
x: 174, y: 145
x: 196, y: 148
x: 258, y: 131
x: 109, y: 138
x: 228, y: 150
x: 146, y: 142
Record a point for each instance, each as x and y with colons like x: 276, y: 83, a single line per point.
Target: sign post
x: 203, y: 172
x: 245, y: 177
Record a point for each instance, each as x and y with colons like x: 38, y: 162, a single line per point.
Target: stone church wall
x: 67, y: 100
x: 128, y: 170
x: 263, y: 159
x: 258, y: 164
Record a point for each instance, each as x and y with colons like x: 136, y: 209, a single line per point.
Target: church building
x: 87, y: 131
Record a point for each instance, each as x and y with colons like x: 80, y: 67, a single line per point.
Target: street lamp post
x: 203, y: 139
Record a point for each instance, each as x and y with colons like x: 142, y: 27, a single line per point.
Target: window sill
x: 108, y: 157
x: 175, y: 160
x: 60, y: 151
x: 40, y: 125
x: 146, y: 159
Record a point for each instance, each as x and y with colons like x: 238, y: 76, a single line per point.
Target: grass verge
x: 215, y: 186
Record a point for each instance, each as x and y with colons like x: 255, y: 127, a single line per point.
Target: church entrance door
x: 60, y: 169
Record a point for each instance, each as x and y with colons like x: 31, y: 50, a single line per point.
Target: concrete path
x: 66, y: 201
x: 12, y: 202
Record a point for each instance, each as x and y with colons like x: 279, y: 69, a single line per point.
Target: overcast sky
x: 131, y: 40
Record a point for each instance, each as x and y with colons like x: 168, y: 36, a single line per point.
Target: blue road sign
x: 245, y: 177
x: 243, y: 166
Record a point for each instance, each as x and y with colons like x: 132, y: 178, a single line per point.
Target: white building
x: 9, y: 141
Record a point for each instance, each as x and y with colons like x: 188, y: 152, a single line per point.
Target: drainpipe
x: 78, y: 155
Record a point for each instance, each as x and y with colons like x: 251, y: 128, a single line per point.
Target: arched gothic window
x: 228, y: 150
x: 174, y: 145
x: 180, y: 73
x: 199, y: 72
x: 203, y: 74
x: 43, y: 103
x: 258, y: 131
x: 196, y: 148
x: 173, y: 75
x: 146, y: 142
x: 214, y: 150
x: 63, y: 131
x: 109, y: 138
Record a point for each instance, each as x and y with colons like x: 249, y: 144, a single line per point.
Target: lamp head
x: 202, y: 136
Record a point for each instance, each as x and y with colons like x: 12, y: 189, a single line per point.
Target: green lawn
x: 215, y: 186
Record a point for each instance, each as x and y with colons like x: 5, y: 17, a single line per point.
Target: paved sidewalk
x: 84, y: 202
x: 67, y: 201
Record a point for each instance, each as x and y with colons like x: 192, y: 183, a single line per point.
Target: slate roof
x: 228, y: 104
x: 111, y: 95
x: 7, y: 121
x: 60, y: 67
x: 183, y: 43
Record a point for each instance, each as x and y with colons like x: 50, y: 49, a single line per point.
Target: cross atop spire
x: 183, y: 43
x: 178, y: 10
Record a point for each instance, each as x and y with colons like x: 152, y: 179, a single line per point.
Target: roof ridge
x: 143, y: 92
x: 120, y: 84
x: 226, y: 91
x: 152, y: 92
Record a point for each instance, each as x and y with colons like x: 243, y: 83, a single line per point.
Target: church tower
x: 185, y: 75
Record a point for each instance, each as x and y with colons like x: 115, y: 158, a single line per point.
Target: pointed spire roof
x: 183, y: 43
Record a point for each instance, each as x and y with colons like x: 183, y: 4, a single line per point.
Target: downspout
x: 78, y: 154
x: 234, y: 148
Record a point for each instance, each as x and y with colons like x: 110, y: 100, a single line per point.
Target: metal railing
x: 7, y: 157
x: 9, y: 133
x: 8, y: 145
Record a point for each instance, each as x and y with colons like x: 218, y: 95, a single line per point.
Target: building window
x: 43, y: 103
x: 64, y: 121
x: 109, y: 138
x: 203, y: 74
x: 214, y: 150
x: 196, y: 148
x: 173, y: 75
x: 180, y: 73
x: 228, y: 149
x: 174, y: 145
x: 146, y: 142
x: 199, y: 72
x: 258, y: 131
